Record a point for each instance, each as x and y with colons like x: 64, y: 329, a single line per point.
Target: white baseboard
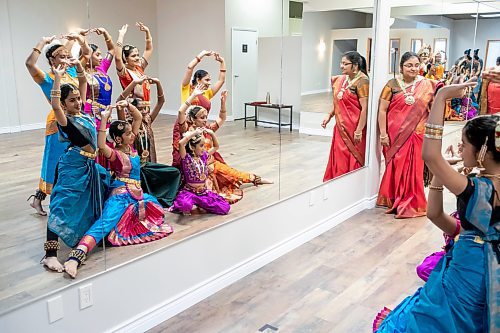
x: 316, y: 131
x: 149, y: 319
x: 21, y: 128
x: 312, y: 92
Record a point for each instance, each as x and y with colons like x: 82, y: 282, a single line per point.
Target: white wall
x: 428, y: 36
x: 31, y: 107
x: 185, y: 27
x: 317, y: 26
x: 462, y: 36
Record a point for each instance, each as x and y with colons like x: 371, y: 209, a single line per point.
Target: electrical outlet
x: 55, y: 309
x: 86, y: 298
x: 312, y: 198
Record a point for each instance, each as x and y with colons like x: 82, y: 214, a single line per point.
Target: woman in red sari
x: 490, y: 103
x: 350, y: 103
x: 404, y: 107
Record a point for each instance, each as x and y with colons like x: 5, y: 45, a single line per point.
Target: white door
x: 244, y: 66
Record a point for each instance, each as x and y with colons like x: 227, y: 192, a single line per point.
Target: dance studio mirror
x: 328, y: 44
x: 242, y: 41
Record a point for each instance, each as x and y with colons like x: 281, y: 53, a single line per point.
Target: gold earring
x: 482, y: 154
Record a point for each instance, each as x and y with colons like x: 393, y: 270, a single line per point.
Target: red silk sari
x: 402, y: 186
x: 345, y: 156
x: 490, y: 102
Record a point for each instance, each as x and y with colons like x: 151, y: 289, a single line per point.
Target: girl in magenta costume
x: 129, y: 215
x: 194, y: 161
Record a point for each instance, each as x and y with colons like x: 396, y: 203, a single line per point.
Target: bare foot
x: 53, y: 264
x: 37, y: 205
x: 266, y: 181
x: 71, y: 267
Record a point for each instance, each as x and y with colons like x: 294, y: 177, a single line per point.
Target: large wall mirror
x: 221, y: 45
x: 327, y: 49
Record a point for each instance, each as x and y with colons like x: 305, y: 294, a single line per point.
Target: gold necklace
x: 349, y: 83
x: 409, y: 98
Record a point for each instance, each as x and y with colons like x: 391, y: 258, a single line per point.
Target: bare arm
x: 431, y: 150
x: 108, y: 39
x: 33, y: 69
x: 148, y: 50
x: 223, y: 112
x: 215, y: 142
x: 101, y: 135
x: 222, y: 74
x: 192, y: 65
x: 120, y: 66
x: 82, y: 80
x: 137, y: 118
x: 160, y: 101
x: 435, y: 211
x: 181, y: 116
x: 55, y: 99
x: 382, y: 121
x: 358, y: 133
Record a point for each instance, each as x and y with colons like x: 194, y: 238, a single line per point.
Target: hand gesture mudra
x: 123, y: 30
x: 59, y: 70
x: 223, y: 96
x: 199, y: 90
x: 142, y: 26
x: 48, y: 40
x: 107, y: 112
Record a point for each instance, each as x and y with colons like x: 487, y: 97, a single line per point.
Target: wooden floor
x: 321, y: 103
x: 335, y: 283
x: 257, y: 150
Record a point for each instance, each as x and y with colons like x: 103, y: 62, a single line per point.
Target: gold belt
x: 477, y: 239
x: 143, y: 104
x: 129, y: 181
x: 86, y: 154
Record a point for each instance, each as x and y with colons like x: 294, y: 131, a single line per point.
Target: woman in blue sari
x: 80, y: 183
x: 461, y: 294
x: 56, y: 54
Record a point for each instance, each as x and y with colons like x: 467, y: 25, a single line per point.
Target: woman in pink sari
x: 350, y: 103
x: 404, y: 107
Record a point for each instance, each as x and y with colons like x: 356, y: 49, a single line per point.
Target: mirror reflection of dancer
x: 188, y: 85
x: 194, y: 159
x: 461, y: 295
x: 490, y: 102
x: 160, y: 180
x: 404, y: 107
x: 81, y: 184
x: 129, y: 215
x: 130, y: 67
x: 350, y: 103
x: 224, y: 179
x: 100, y: 86
x: 56, y: 54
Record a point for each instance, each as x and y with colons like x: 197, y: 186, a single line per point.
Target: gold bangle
x: 100, y: 130
x: 107, y: 39
x: 434, y: 126
x: 119, y: 44
x: 149, y: 39
x: 161, y: 96
x: 187, y: 103
x: 222, y: 70
x: 436, y: 188
x: 384, y: 136
x: 37, y: 50
x: 433, y: 137
x: 222, y: 111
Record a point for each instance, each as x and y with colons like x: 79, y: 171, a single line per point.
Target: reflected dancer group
x: 103, y: 175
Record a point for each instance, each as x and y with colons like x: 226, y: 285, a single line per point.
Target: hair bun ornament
x: 497, y: 136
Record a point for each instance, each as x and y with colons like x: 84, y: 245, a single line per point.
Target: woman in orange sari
x: 490, y: 103
x: 350, y: 102
x: 404, y: 107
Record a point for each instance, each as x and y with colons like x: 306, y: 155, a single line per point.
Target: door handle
x: 236, y: 76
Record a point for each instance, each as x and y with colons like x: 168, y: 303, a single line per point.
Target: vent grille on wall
x: 295, y: 9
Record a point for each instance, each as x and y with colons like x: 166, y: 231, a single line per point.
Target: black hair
x: 94, y: 48
x: 498, y: 60
x: 51, y: 50
x: 407, y: 56
x: 193, y: 142
x: 357, y: 59
x: 193, y: 111
x: 476, y: 52
x: 127, y: 49
x: 476, y: 130
x: 66, y: 88
x: 199, y: 74
x: 429, y: 66
x: 117, y: 129
x: 467, y: 52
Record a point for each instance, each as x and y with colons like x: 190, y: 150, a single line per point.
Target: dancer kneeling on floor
x: 194, y: 161
x: 129, y: 215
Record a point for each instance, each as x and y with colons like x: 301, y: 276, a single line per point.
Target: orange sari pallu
x: 345, y: 156
x: 402, y: 186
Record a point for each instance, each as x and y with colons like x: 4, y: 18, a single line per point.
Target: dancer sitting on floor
x: 129, y: 215
x: 194, y: 159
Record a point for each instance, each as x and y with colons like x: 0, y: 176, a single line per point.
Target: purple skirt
x: 208, y: 200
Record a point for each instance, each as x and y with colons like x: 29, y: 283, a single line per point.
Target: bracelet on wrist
x: 436, y: 188
x: 187, y: 103
x: 37, y: 50
x: 161, y: 96
x: 119, y: 44
x: 223, y: 70
x: 198, y: 58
